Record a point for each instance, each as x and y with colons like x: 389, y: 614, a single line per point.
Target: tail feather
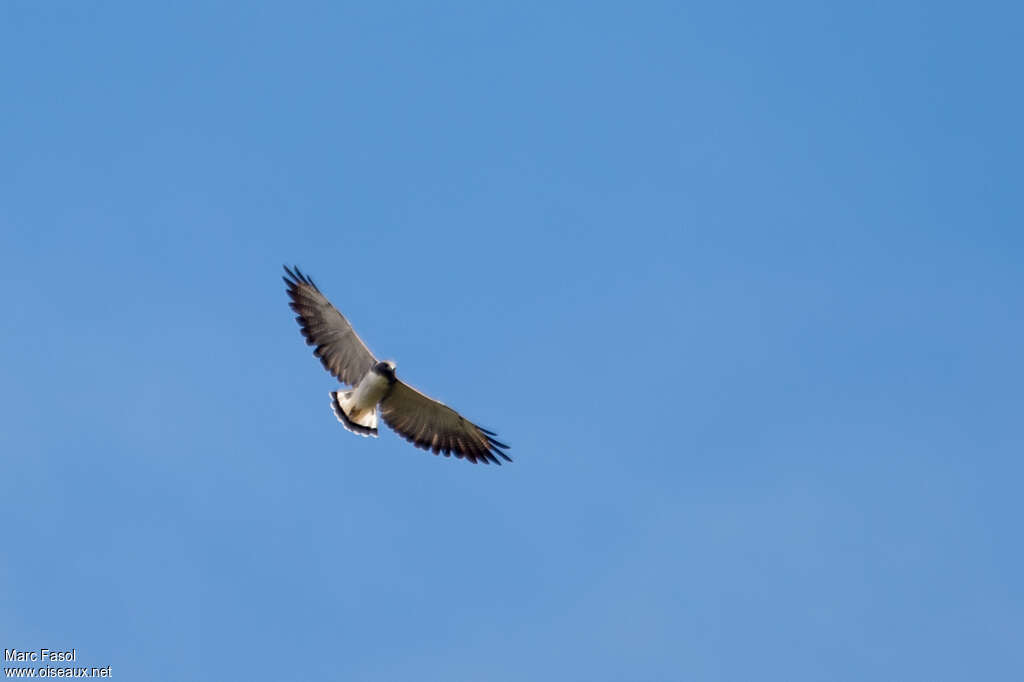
x: 363, y: 422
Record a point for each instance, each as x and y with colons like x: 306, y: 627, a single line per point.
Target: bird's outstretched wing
x: 339, y: 348
x: 432, y: 425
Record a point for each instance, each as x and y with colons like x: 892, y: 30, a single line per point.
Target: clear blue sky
x: 740, y: 283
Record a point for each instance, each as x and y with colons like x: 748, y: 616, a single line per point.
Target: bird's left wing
x: 339, y: 348
x: 432, y: 425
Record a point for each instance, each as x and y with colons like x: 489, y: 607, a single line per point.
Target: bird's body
x: 421, y: 420
x: 371, y: 389
x: 357, y: 409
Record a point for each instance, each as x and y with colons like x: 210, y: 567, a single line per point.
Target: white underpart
x: 357, y: 409
x: 368, y: 393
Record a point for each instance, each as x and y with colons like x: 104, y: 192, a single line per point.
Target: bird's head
x: 386, y: 368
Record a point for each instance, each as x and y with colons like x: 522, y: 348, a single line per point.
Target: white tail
x: 363, y: 422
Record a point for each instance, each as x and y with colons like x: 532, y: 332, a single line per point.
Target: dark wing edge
x: 336, y: 344
x: 433, y: 426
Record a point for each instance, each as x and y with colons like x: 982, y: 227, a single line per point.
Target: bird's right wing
x: 339, y: 348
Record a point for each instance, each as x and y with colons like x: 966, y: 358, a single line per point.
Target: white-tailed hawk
x: 421, y: 420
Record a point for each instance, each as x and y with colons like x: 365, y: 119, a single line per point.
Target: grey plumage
x: 339, y: 348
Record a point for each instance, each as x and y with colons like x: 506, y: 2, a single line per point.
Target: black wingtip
x: 494, y: 447
x: 297, y: 277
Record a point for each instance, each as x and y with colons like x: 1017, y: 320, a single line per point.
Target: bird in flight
x: 421, y: 420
